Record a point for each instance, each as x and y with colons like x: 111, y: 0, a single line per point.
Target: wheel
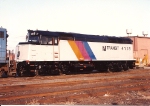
x: 19, y: 73
x: 4, y: 73
x: 121, y: 69
x: 36, y: 72
x: 40, y: 72
x: 125, y: 67
x: 65, y: 70
x: 110, y: 68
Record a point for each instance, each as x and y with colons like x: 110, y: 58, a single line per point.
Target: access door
x: 56, y: 55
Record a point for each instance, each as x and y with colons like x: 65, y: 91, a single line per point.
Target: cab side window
x: 50, y: 41
x: 1, y: 34
x: 44, y: 40
x: 55, y: 41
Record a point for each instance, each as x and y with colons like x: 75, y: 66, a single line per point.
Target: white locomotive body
x: 64, y: 52
x: 58, y: 52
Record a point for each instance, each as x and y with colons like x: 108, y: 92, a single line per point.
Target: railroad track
x: 72, y: 88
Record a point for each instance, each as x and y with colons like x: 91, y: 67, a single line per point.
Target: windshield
x: 34, y: 38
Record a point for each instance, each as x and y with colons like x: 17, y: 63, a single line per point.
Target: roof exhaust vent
x: 129, y: 32
x: 145, y: 33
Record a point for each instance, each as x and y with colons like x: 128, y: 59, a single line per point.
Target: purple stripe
x: 83, y: 50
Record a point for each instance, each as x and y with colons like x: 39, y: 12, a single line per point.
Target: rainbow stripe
x: 76, y: 50
x: 89, y: 50
x: 82, y: 50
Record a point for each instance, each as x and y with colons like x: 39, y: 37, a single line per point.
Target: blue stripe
x: 89, y: 51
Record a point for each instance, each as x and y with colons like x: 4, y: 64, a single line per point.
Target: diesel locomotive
x: 7, y: 63
x: 49, y: 52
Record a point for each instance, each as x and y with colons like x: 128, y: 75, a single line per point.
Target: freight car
x: 6, y: 63
x: 47, y: 52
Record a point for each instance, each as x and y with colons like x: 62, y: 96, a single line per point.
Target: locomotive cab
x: 39, y: 50
x: 37, y: 38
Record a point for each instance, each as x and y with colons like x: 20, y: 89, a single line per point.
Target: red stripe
x: 83, y: 50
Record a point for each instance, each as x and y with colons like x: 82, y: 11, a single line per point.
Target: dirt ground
x: 118, y: 88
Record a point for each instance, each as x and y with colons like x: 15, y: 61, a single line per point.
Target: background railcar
x: 7, y: 62
x: 48, y: 52
x: 3, y: 51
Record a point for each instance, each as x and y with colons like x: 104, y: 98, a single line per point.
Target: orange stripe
x: 76, y: 50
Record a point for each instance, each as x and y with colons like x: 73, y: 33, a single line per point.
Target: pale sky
x: 100, y: 17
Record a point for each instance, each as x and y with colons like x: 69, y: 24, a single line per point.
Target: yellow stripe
x: 76, y: 50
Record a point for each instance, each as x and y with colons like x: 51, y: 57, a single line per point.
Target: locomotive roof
x: 78, y: 36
